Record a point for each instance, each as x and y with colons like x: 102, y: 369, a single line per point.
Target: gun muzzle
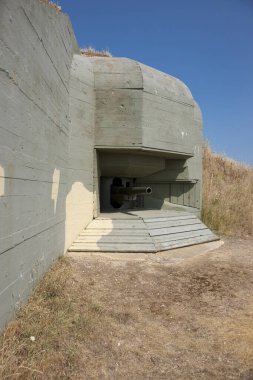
x: 131, y: 190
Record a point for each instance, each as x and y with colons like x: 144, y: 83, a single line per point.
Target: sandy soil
x: 181, y: 314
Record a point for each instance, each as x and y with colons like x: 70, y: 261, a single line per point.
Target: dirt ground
x: 179, y: 315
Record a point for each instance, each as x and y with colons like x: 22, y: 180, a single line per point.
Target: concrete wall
x: 180, y: 182
x: 118, y: 84
x: 79, y: 204
x: 167, y: 114
x: 55, y: 107
x: 38, y: 181
x: 138, y: 107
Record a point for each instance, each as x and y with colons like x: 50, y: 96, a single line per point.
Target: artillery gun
x: 121, y: 194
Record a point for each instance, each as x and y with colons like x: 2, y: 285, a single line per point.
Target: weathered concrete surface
x: 140, y: 107
x: 38, y: 182
x: 79, y: 203
x: 142, y: 231
x: 55, y: 108
x: 142, y: 111
x: 172, y: 256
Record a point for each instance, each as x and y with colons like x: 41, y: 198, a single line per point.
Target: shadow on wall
x: 43, y: 207
x: 79, y: 200
x: 29, y: 226
x: 32, y: 236
x: 1, y: 181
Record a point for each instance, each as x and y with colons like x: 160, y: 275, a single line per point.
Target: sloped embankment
x: 227, y: 195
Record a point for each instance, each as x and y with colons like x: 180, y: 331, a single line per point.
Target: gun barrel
x: 131, y: 190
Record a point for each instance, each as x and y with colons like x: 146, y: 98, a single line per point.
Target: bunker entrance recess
x: 130, y: 181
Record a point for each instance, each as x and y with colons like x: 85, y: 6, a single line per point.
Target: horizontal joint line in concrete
x: 33, y: 180
x: 172, y: 100
x: 185, y: 221
x: 13, y: 282
x: 175, y: 232
x: 120, y: 88
x: 171, y: 181
x: 30, y: 237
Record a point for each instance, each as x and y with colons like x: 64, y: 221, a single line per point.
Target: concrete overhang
x: 144, y: 151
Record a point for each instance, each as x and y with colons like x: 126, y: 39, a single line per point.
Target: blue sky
x: 206, y: 43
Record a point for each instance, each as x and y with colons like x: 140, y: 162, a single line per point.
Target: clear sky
x: 208, y: 44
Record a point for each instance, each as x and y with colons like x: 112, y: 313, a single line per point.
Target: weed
x: 91, y: 52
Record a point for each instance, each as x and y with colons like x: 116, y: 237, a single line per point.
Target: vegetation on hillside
x: 227, y: 195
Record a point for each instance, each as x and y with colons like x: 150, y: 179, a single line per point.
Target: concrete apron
x: 170, y: 257
x: 147, y: 231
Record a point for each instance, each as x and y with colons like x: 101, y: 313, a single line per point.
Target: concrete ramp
x: 142, y: 231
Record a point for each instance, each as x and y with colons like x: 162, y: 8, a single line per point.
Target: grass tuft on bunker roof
x: 52, y: 5
x: 91, y: 52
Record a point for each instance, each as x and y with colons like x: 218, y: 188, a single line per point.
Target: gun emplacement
x: 134, y: 190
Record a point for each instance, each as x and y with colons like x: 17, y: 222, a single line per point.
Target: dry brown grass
x: 91, y: 52
x: 227, y: 195
x: 60, y: 316
x: 95, y: 318
x: 51, y: 4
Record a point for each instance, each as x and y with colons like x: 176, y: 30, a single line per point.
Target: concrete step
x: 142, y: 231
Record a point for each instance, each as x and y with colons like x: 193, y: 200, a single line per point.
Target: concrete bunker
x: 77, y: 135
x: 148, y: 133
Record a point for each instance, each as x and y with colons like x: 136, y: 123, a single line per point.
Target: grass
x: 97, y: 318
x: 44, y: 318
x: 62, y: 326
x: 51, y: 4
x: 227, y: 195
x: 45, y: 336
x: 91, y: 52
